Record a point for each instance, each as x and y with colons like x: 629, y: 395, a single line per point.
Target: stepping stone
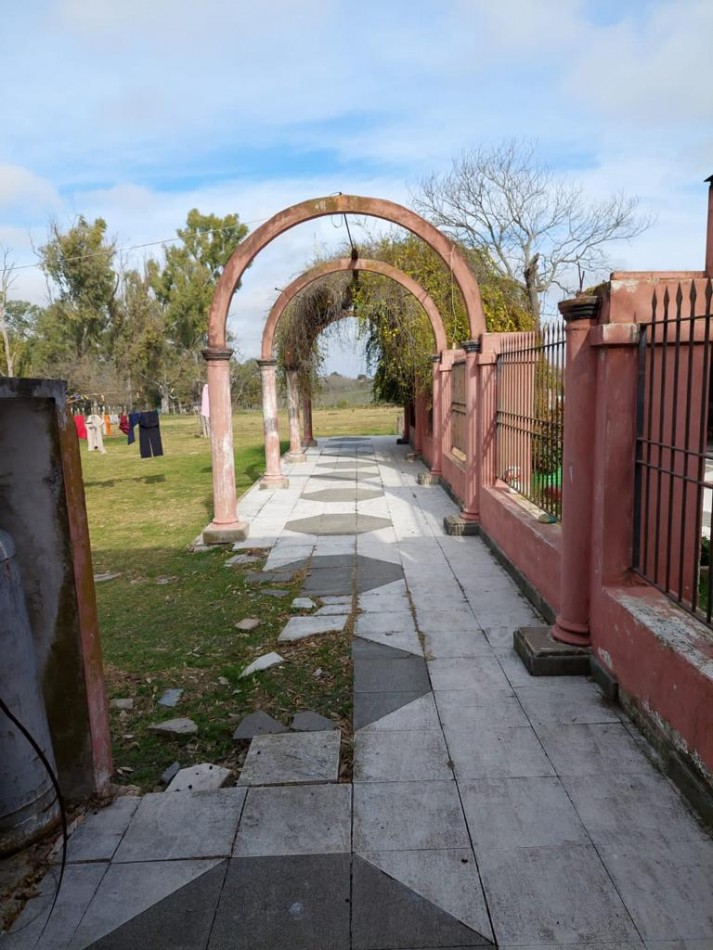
x: 276, y: 592
x: 303, y: 758
x: 122, y: 703
x: 298, y: 628
x: 257, y: 724
x: 309, y: 721
x: 303, y: 603
x: 345, y: 599
x: 106, y: 576
x: 175, y: 727
x: 241, y: 559
x: 170, y: 773
x: 331, y: 610
x: 249, y: 623
x: 264, y: 662
x: 200, y: 778
x: 170, y: 698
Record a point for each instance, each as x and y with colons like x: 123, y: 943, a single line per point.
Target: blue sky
x: 142, y: 109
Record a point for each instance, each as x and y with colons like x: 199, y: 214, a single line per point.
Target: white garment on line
x: 95, y: 440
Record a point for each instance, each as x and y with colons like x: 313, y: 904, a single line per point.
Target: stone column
x: 580, y: 393
x: 438, y: 428
x: 418, y: 427
x: 225, y: 526
x: 404, y: 438
x: 295, y: 453
x: 471, y: 503
x: 273, y: 477
x: 308, y: 439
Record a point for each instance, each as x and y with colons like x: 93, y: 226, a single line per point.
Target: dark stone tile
x: 369, y: 707
x: 387, y: 914
x: 391, y: 676
x: 300, y: 902
x: 367, y: 649
x: 181, y: 921
x: 373, y: 573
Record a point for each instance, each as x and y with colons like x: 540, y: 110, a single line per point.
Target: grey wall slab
x: 307, y: 819
x: 189, y: 825
x: 407, y: 816
x: 296, y: 902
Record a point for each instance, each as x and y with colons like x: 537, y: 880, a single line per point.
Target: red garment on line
x: 81, y: 426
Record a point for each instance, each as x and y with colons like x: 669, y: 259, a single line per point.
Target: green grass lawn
x: 168, y: 619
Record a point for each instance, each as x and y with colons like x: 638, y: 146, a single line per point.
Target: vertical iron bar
x: 672, y: 448
x: 662, y: 421
x: 692, y: 327
x: 650, y: 389
x: 638, y: 471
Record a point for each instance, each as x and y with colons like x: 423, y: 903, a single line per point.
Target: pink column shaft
x: 273, y: 476
x: 293, y: 415
x: 580, y: 393
x: 471, y: 502
x: 308, y: 437
x: 437, y: 461
x: 224, y: 497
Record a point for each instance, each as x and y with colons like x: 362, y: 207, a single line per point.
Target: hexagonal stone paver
x: 343, y: 494
x: 338, y: 524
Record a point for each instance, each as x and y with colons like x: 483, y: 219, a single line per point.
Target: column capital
x: 266, y: 364
x: 436, y: 358
x: 213, y: 353
x: 471, y: 346
x: 584, y: 307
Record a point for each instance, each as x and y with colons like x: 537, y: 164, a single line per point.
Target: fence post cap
x: 581, y: 307
x: 471, y: 346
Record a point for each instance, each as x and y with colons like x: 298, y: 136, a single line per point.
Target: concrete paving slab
x: 568, y: 702
x: 299, y: 628
x: 191, y: 825
x: 386, y: 913
x: 535, y: 895
x: 448, y: 879
x: 385, y: 817
x: 128, y: 890
x: 372, y: 707
x: 308, y: 721
x: 482, y: 673
x: 385, y: 622
x: 504, y: 712
x: 419, y: 715
x: 388, y: 676
x: 387, y: 756
x: 300, y: 819
x: 628, y: 809
x: 297, y: 758
x: 99, y: 834
x: 497, y: 753
x: 593, y: 750
x: 406, y: 640
x: 334, y: 601
x: 78, y: 889
x: 451, y: 644
x: 258, y: 723
x: 296, y: 901
x: 520, y: 812
x: 667, y: 900
x: 372, y: 650
x: 332, y: 610
x: 204, y: 777
x: 376, y: 603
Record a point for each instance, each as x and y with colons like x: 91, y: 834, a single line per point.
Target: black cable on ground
x: 59, y: 799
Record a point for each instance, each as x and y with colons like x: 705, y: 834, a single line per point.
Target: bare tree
x: 7, y: 279
x: 537, y: 226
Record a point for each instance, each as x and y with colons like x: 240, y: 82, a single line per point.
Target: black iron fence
x: 674, y: 448
x: 530, y: 412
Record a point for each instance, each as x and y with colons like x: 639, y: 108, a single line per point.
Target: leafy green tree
x: 19, y: 331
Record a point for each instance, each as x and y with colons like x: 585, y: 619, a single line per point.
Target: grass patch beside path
x: 168, y: 619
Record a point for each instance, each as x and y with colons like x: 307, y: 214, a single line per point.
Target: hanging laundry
x: 124, y: 424
x: 95, y: 440
x: 81, y: 426
x: 133, y: 421
x: 107, y: 424
x: 149, y: 435
x: 205, y: 412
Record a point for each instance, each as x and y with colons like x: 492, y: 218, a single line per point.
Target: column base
x: 225, y: 533
x: 542, y: 655
x: 573, y: 634
x: 403, y: 441
x: 274, y: 481
x: 294, y: 457
x: 428, y: 478
x: 310, y: 443
x: 458, y: 526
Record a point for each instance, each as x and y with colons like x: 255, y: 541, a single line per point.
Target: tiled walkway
x: 486, y: 806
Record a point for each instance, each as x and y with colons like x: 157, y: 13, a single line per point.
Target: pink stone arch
x: 347, y: 264
x: 226, y: 525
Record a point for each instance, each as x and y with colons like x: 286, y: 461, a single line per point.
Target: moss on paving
x: 169, y: 619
